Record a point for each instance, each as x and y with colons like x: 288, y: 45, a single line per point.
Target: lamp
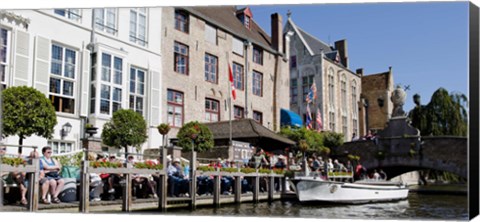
x: 66, y: 128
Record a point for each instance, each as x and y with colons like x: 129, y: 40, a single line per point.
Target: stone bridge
x: 409, y: 152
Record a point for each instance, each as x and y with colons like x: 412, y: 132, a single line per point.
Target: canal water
x: 417, y: 206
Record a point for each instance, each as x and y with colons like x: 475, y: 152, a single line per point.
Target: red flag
x: 234, y: 94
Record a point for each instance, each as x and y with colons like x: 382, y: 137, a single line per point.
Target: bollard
x: 238, y: 189
x: 84, y: 188
x: 162, y: 197
x: 271, y: 188
x: 193, y: 181
x: 216, y: 190
x: 127, y: 191
x: 256, y: 188
x: 33, y: 187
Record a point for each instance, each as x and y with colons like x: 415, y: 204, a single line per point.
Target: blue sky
x: 425, y: 43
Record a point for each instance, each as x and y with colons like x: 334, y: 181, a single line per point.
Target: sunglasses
x: 48, y: 152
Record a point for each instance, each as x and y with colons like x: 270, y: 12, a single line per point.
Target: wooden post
x: 256, y: 188
x: 2, y: 196
x: 216, y: 190
x: 33, y: 187
x: 162, y: 198
x: 271, y: 188
x: 283, y: 184
x: 238, y: 189
x: 84, y: 188
x: 193, y: 181
x: 127, y: 191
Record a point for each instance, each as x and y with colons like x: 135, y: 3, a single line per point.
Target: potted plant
x: 90, y: 129
x: 163, y: 129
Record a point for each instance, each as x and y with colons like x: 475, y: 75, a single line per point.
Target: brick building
x: 198, y: 45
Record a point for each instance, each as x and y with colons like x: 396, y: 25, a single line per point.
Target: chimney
x: 360, y: 72
x: 277, y: 32
x: 342, y: 48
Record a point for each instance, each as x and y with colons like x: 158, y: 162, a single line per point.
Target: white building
x: 47, y: 49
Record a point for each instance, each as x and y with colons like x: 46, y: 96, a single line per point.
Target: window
x: 293, y: 91
x: 238, y: 112
x: 344, y: 126
x: 354, y: 97
x: 211, y: 66
x: 138, y: 24
x: 61, y: 147
x: 343, y: 89
x: 106, y: 20
x: 331, y: 120
x: 111, y: 86
x: 331, y: 87
x: 355, y: 128
x: 247, y: 22
x: 210, y: 34
x: 307, y: 82
x: 181, y: 21
x: 293, y: 61
x: 181, y: 58
x: 257, y: 55
x: 237, y: 76
x: 73, y: 14
x: 174, y: 108
x: 258, y: 117
x: 237, y: 46
x: 4, y: 51
x: 257, y: 83
x: 212, y: 110
x: 62, y: 78
x: 137, y: 90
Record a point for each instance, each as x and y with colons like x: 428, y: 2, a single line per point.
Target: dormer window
x: 247, y: 22
x: 181, y: 21
x: 245, y: 16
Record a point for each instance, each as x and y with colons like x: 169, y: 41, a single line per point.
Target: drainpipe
x: 247, y: 44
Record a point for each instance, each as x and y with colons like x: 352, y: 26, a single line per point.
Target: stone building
x: 198, y: 46
x: 338, y: 88
x: 376, y: 106
x: 48, y: 49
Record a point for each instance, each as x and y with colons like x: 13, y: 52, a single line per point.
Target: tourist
x: 383, y: 175
x: 354, y: 137
x: 52, y: 168
x: 321, y: 163
x: 369, y: 135
x: 143, y: 186
x: 280, y: 164
x: 329, y: 164
x: 177, y: 183
x: 349, y: 166
x: 360, y: 171
x: 315, y: 164
x: 376, y: 175
x: 259, y: 159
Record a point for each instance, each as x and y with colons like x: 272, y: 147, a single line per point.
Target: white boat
x: 317, y: 189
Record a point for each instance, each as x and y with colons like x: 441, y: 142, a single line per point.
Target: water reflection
x: 417, y: 206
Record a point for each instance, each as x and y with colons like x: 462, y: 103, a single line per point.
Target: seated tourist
x: 52, y: 168
x: 177, y: 183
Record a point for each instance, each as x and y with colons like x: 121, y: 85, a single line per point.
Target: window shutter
x: 42, y: 59
x: 84, y: 83
x: 210, y: 34
x: 155, y: 98
x: 22, y: 49
x: 237, y: 46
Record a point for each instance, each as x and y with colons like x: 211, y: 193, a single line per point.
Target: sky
x: 426, y: 44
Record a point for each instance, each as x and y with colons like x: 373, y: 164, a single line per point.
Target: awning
x: 289, y: 118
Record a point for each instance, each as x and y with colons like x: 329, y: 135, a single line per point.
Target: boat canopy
x: 290, y: 118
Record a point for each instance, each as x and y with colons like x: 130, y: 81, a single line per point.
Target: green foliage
x: 445, y: 114
x: 314, y: 140
x: 126, y: 128
x: 332, y: 139
x: 71, y: 160
x: 105, y: 164
x: 206, y: 168
x: 353, y: 157
x: 148, y: 164
x: 279, y: 171
x: 27, y: 111
x: 163, y: 128
x: 203, y: 141
x: 248, y: 170
x: 266, y: 171
x: 340, y: 174
x: 229, y: 169
x: 13, y: 161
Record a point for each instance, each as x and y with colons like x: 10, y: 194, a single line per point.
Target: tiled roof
x: 224, y: 17
x: 315, y: 44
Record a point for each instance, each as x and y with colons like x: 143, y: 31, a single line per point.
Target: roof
x: 378, y: 81
x: 245, y: 129
x: 224, y: 17
x: 315, y: 44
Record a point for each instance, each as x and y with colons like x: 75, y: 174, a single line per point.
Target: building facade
x: 199, y: 44
x: 338, y: 88
x: 376, y: 106
x: 87, y: 69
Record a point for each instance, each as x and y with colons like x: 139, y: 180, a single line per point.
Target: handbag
x: 53, y: 174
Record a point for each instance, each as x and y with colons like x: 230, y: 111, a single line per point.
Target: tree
x: 199, y: 133
x: 126, y: 128
x: 27, y: 111
x: 445, y: 114
x: 313, y: 141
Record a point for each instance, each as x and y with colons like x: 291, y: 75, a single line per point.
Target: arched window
x: 343, y: 88
x: 331, y: 87
x: 354, y: 96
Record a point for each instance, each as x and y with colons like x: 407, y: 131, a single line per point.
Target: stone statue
x: 398, y: 99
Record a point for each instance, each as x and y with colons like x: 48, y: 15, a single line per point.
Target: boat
x: 340, y: 188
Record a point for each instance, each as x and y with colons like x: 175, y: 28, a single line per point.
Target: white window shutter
x: 237, y: 46
x: 42, y: 60
x: 210, y: 34
x: 85, y: 76
x: 22, y: 49
x: 155, y: 98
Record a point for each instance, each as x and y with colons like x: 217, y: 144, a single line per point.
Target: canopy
x: 290, y: 118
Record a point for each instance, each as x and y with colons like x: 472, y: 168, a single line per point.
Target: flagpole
x: 229, y: 102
